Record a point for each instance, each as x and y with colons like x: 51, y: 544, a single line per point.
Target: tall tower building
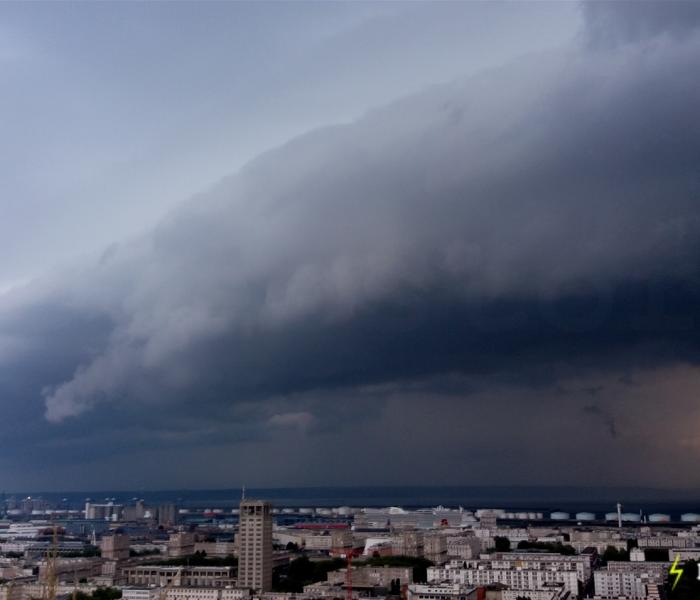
x: 115, y: 546
x: 255, y: 545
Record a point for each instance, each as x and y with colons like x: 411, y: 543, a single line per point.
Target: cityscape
x: 350, y: 300
x: 138, y: 551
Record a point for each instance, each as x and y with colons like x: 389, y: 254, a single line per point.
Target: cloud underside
x: 534, y: 224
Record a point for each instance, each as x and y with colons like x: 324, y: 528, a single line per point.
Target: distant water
x: 544, y: 499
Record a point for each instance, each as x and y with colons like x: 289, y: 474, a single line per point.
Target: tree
x: 502, y: 544
x: 106, y: 593
x: 655, y: 554
x: 101, y: 593
x: 557, y: 547
x: 301, y: 571
x: 612, y: 553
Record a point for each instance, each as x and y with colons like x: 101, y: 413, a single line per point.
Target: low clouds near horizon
x: 459, y: 286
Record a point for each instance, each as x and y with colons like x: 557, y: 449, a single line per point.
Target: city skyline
x: 349, y: 244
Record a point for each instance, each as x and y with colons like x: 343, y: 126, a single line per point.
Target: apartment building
x: 445, y: 591
x: 181, y: 543
x: 631, y: 580
x: 581, y: 563
x: 115, y: 546
x: 408, y: 543
x: 372, y: 576
x: 463, y: 547
x: 435, y: 547
x: 184, y: 593
x: 483, y: 573
x: 162, y: 576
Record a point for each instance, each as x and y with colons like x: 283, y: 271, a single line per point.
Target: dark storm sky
x: 491, y: 280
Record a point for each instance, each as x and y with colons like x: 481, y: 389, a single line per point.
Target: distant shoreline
x: 544, y: 498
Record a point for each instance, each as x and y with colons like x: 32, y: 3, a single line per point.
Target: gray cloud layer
x: 532, y: 225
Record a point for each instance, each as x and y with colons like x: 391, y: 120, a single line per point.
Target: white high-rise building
x: 255, y: 546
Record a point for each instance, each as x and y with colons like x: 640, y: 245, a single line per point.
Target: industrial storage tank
x: 659, y: 518
x: 532, y: 516
x: 585, y: 516
x: 499, y: 512
x: 287, y: 511
x: 690, y: 518
x: 345, y: 510
x: 611, y: 516
x: 634, y: 517
x: 559, y: 515
x: 306, y: 511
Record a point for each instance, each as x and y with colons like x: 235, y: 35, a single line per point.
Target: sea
x: 530, y: 498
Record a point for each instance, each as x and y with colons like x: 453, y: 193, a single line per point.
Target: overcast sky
x: 275, y: 244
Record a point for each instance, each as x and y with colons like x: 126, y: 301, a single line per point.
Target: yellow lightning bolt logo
x: 676, y: 571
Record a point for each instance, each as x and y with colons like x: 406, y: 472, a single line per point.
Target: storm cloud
x: 512, y: 239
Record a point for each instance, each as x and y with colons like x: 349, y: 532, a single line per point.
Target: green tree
x: 420, y: 565
x: 101, y: 593
x: 502, y: 544
x: 302, y: 571
x: 656, y: 554
x: 612, y: 553
x: 557, y: 547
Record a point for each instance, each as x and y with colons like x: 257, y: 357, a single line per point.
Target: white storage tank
x: 306, y: 511
x: 659, y: 518
x: 585, y: 516
x: 287, y: 511
x: 611, y: 516
x: 559, y: 515
x: 499, y: 512
x: 690, y: 518
x: 344, y: 510
x: 631, y: 517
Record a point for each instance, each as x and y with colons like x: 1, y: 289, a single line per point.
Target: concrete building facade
x: 163, y: 576
x: 255, y: 545
x: 115, y: 546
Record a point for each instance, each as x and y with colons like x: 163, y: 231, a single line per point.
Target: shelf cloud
x: 533, y: 224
